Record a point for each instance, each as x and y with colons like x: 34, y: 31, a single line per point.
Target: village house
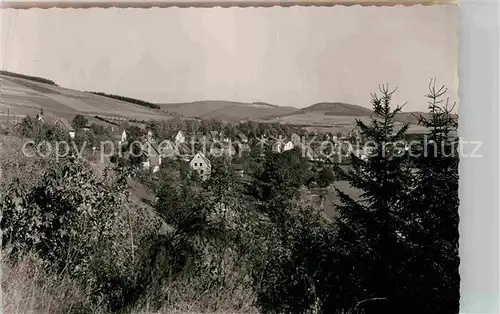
x: 184, y: 150
x: 153, y: 156
x: 295, y: 138
x: 123, y: 138
x: 63, y: 124
x: 180, y: 138
x: 288, y: 146
x: 201, y: 164
x: 174, y: 148
x: 56, y: 121
x: 119, y: 134
x: 168, y: 149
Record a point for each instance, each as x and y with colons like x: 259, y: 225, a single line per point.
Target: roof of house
x: 56, y: 120
x: 64, y: 123
x: 155, y: 150
x: 202, y: 156
x: 167, y: 149
x: 184, y: 148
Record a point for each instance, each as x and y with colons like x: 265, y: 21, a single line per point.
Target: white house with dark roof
x: 201, y: 164
x: 124, y: 136
x: 288, y: 146
x: 180, y: 138
x: 295, y: 138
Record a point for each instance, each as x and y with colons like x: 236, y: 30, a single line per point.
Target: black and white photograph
x: 230, y: 160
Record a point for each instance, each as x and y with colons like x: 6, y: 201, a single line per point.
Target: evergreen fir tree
x: 434, y: 211
x: 369, y: 229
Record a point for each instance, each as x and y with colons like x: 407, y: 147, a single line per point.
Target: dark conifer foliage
x: 370, y: 228
x: 433, y: 212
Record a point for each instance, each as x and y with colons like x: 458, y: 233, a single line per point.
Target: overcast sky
x: 287, y: 56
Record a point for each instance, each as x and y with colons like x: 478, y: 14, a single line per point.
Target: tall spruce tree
x: 433, y: 270
x: 369, y: 228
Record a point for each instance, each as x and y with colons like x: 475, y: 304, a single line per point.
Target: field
x: 21, y: 97
x: 326, y: 122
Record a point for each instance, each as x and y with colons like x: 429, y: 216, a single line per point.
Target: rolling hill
x: 227, y: 110
x: 341, y: 117
x: 21, y: 96
x: 336, y: 109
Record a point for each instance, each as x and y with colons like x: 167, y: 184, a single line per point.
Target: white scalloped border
x: 214, y: 4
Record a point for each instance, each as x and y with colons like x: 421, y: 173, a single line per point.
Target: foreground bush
x: 77, y: 224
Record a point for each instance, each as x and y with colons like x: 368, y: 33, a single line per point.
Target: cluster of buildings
x: 213, y: 143
x: 194, y: 151
x: 197, y: 148
x: 57, y: 121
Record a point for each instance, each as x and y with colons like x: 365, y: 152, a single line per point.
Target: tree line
x: 28, y: 77
x: 129, y: 99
